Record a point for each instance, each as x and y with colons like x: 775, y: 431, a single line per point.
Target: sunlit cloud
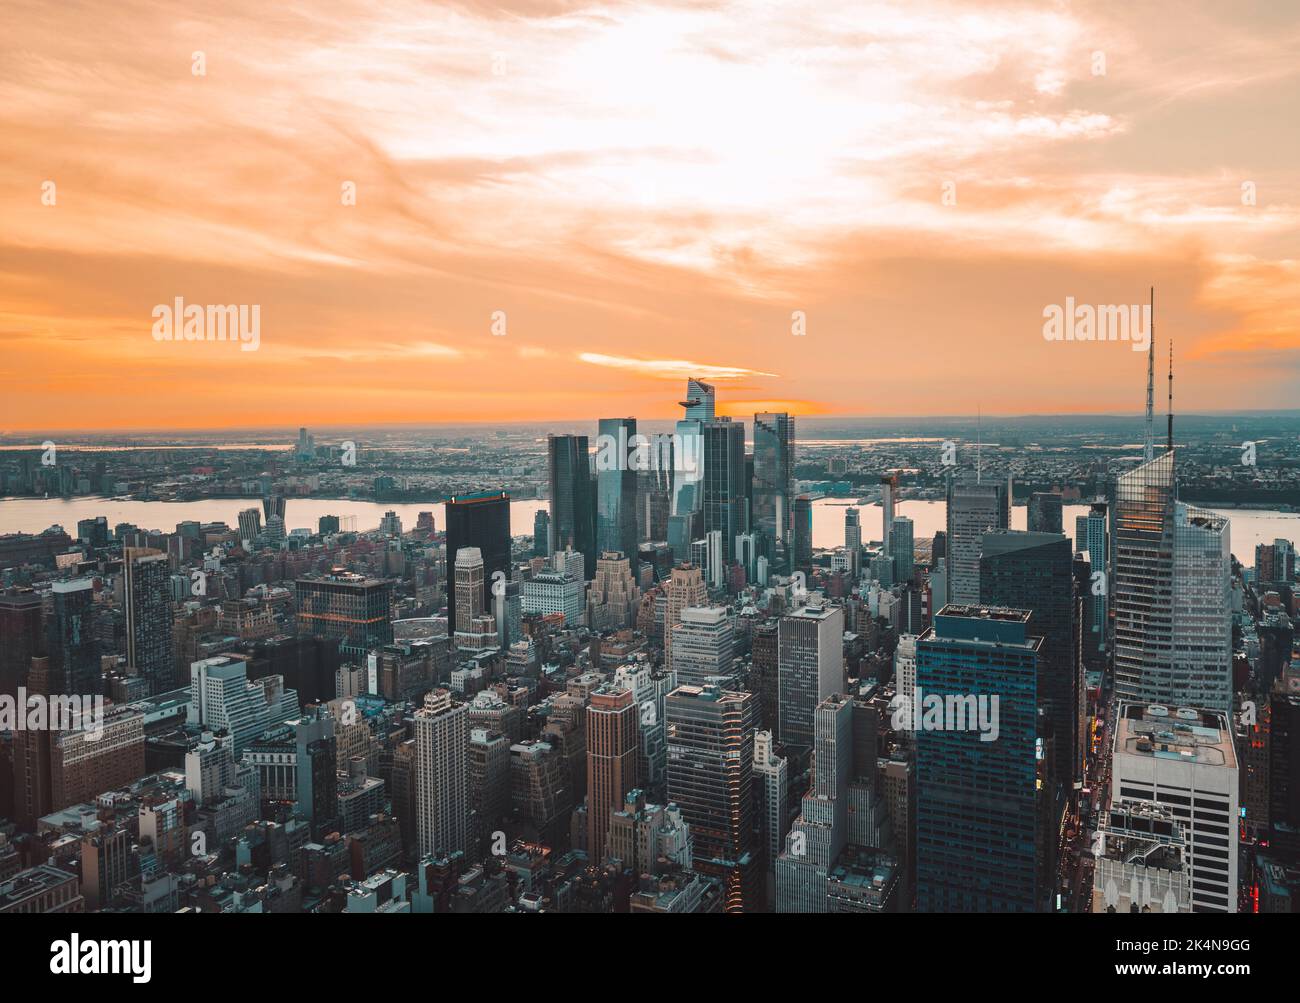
x: 670, y: 369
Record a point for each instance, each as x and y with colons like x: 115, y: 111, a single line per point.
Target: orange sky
x: 647, y: 191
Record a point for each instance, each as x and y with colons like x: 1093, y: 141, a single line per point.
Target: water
x: 32, y: 515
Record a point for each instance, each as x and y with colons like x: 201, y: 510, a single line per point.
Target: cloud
x: 670, y: 369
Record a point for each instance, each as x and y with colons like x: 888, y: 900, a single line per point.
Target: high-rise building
x: 481, y: 520
x: 810, y: 644
x: 710, y: 777
x: 1171, y: 594
x: 685, y: 588
x: 250, y: 524
x: 1186, y: 760
x: 345, y: 607
x: 888, y: 498
x: 147, y: 598
x: 1033, y: 571
x: 573, y: 504
x: 1090, y: 532
x: 542, y: 533
x: 614, y: 596
x: 616, y: 487
x: 20, y: 637
x: 772, y: 801
x: 902, y: 548
x: 1275, y: 562
x: 977, y: 811
x: 703, y: 646
x: 1044, y: 512
x: 974, y: 508
x: 773, y: 486
x: 470, y: 594
x: 853, y: 541
x: 820, y: 832
x: 556, y: 592
x: 801, y: 533
x: 70, y: 637
x: 442, y: 777
x: 725, y: 495
x: 613, y: 745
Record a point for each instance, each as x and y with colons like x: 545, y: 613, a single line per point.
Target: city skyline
x: 629, y: 196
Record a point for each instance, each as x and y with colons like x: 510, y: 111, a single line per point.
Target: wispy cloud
x: 670, y: 369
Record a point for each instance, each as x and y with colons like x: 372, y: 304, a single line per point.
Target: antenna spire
x: 979, y: 438
x: 1148, y: 450
x: 1171, y: 396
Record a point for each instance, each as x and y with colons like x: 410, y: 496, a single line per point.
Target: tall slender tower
x: 613, y: 740
x: 1148, y: 451
x: 1169, y: 442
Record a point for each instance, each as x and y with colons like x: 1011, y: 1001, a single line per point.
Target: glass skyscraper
x: 774, y: 486
x: 725, y: 508
x: 573, y: 505
x: 616, y: 488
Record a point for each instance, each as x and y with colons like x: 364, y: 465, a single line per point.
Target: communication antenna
x: 1148, y: 451
x: 1170, y: 444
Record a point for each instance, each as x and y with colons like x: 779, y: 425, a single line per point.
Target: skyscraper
x: 1171, y: 595
x: 853, y: 541
x: 573, y: 504
x: 888, y: 496
x: 710, y: 775
x: 481, y: 520
x: 345, y: 607
x: 703, y: 647
x: 468, y: 585
x: 1044, y: 512
x: 70, y: 640
x: 724, y: 497
x: 1033, y: 571
x: 801, y: 533
x: 974, y: 508
x: 616, y: 487
x: 977, y: 803
x: 810, y: 643
x: 773, y: 486
x: 685, y: 588
x: 442, y: 776
x: 147, y: 598
x: 613, y: 744
x: 20, y: 637
x: 542, y: 534
x: 902, y: 548
x: 1090, y: 534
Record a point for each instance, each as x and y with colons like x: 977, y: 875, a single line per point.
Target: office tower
x: 888, y: 497
x: 94, y: 532
x: 573, y: 506
x: 316, y: 773
x: 223, y: 698
x: 556, y: 592
x: 703, y: 647
x: 508, y: 611
x: 479, y: 520
x: 801, y: 533
x: 974, y: 508
x: 147, y: 598
x: 773, y: 486
x: 747, y: 554
x: 905, y: 668
x: 345, y: 607
x: 20, y: 637
x: 685, y: 588
x: 326, y: 525
x: 810, y: 645
x: 86, y: 762
x: 1090, y: 538
x: 1185, y: 759
x: 902, y: 548
x: 649, y: 838
x: 649, y: 688
x: 772, y: 800
x: 274, y: 506
x: 700, y: 400
x: 613, y: 745
x: 542, y: 533
x: 616, y: 487
x: 977, y: 819
x: 441, y: 774
x: 1044, y: 513
x: 541, y: 792
x: 724, y: 490
x: 853, y: 542
x: 470, y: 594
x: 488, y: 780
x: 820, y: 832
x: 390, y: 524
x: 250, y: 525
x: 70, y: 637
x: 1171, y: 595
x: 710, y: 777
x: 569, y: 562
x: 1034, y: 571
x: 1283, y: 772
x: 613, y: 598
